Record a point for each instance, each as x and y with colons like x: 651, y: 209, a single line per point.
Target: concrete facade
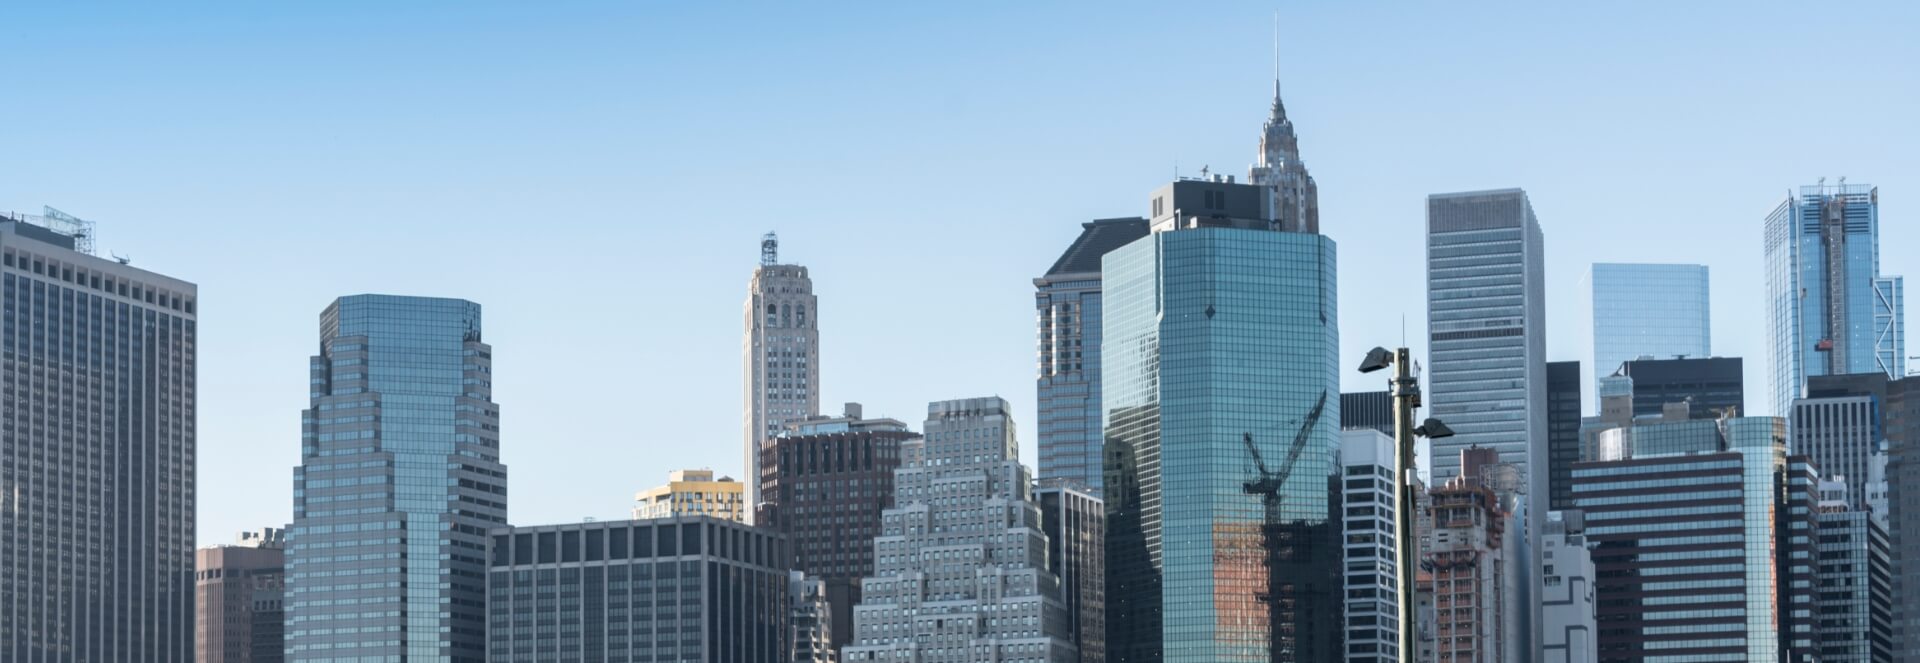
x: 780, y: 358
x: 693, y: 493
x: 239, y: 599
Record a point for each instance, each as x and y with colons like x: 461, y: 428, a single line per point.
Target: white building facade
x: 780, y: 357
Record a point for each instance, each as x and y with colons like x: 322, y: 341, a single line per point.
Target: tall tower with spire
x: 1290, y: 189
x: 780, y: 353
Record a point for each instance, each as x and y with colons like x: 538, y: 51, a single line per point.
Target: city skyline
x: 248, y: 206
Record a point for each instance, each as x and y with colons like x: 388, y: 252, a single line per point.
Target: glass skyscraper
x: 400, y: 481
x: 1067, y: 301
x: 1220, y: 360
x: 1658, y: 311
x: 97, y: 454
x: 1830, y: 311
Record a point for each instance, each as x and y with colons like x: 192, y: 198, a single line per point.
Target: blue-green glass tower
x: 400, y: 480
x: 1221, y: 391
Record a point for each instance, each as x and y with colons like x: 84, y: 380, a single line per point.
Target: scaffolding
x: 81, y: 230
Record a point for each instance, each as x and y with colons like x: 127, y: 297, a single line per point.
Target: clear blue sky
x: 598, y: 176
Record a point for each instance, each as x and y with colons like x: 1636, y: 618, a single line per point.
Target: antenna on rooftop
x: 81, y: 230
x: 769, y: 249
x: 124, y: 260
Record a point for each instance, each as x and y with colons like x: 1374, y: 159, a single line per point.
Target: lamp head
x: 1377, y: 358
x: 1432, y: 429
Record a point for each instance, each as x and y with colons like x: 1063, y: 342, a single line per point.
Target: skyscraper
x: 399, y: 481
x: 1855, y: 601
x: 1841, y: 433
x: 97, y: 495
x: 1563, y: 431
x: 1367, y: 409
x: 781, y: 356
x: 1830, y: 311
x: 1641, y: 310
x: 1369, y: 525
x: 1293, y: 199
x: 960, y: 571
x: 1710, y: 386
x: 240, y: 599
x: 1075, y: 522
x: 1067, y: 300
x: 1220, y: 360
x: 825, y: 483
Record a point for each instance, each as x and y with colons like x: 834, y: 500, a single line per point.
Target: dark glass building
x: 1367, y: 409
x: 1707, y: 385
x: 1075, y: 522
x: 824, y: 485
x: 685, y: 588
x: 97, y: 454
x: 1221, y: 376
x: 399, y: 481
x: 1563, y: 431
x: 1067, y: 301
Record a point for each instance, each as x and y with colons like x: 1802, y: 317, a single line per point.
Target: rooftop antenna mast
x: 81, y: 230
x: 769, y: 249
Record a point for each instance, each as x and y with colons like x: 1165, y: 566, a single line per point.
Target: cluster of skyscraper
x: 1205, y: 491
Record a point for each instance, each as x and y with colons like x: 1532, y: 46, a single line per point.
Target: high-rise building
x: 960, y: 571
x: 1841, y: 434
x: 692, y: 493
x: 1830, y: 311
x: 1900, y: 420
x: 1292, y: 198
x: 1710, y: 386
x: 1486, y: 348
x: 1469, y: 571
x: 1704, y: 550
x: 1486, y: 323
x: 239, y: 599
x: 97, y: 491
x: 399, y: 481
x: 1220, y: 350
x: 1067, y: 303
x: 1567, y: 597
x: 1370, y: 527
x: 1367, y: 409
x: 1563, y: 431
x: 1855, y: 601
x: 681, y: 588
x: 826, y: 481
x: 1075, y: 522
x: 1642, y: 310
x: 781, y: 354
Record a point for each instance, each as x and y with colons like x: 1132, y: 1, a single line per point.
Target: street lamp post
x: 1405, y: 387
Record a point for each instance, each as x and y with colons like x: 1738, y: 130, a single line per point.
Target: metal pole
x: 1406, y: 397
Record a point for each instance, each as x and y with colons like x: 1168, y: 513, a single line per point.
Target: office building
x: 812, y: 629
x: 1567, y: 597
x: 1075, y: 522
x: 1841, y: 434
x: 1371, y: 529
x: 239, y: 599
x: 1067, y: 308
x: 1710, y: 386
x: 1702, y: 551
x: 692, y: 493
x: 960, y: 570
x: 97, y: 491
x: 1855, y: 601
x: 1830, y: 311
x: 1221, y: 351
x: 1563, y: 431
x: 1486, y: 322
x: 681, y: 588
x: 1895, y: 424
x: 1642, y: 310
x: 826, y: 483
x: 781, y: 354
x: 399, y: 480
x: 1367, y: 409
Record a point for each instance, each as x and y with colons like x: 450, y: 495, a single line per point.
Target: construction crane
x: 1283, y: 543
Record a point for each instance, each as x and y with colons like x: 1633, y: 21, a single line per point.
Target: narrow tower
x: 1294, y: 198
x: 780, y: 354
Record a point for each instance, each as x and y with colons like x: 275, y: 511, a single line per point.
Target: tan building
x: 693, y: 493
x: 238, y: 599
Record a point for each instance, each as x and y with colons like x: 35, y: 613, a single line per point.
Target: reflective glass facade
x: 1855, y: 600
x: 97, y: 449
x: 1640, y: 310
x: 400, y: 479
x: 1221, y: 388
x: 1830, y: 311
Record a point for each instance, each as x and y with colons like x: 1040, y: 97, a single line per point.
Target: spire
x: 1279, y: 115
